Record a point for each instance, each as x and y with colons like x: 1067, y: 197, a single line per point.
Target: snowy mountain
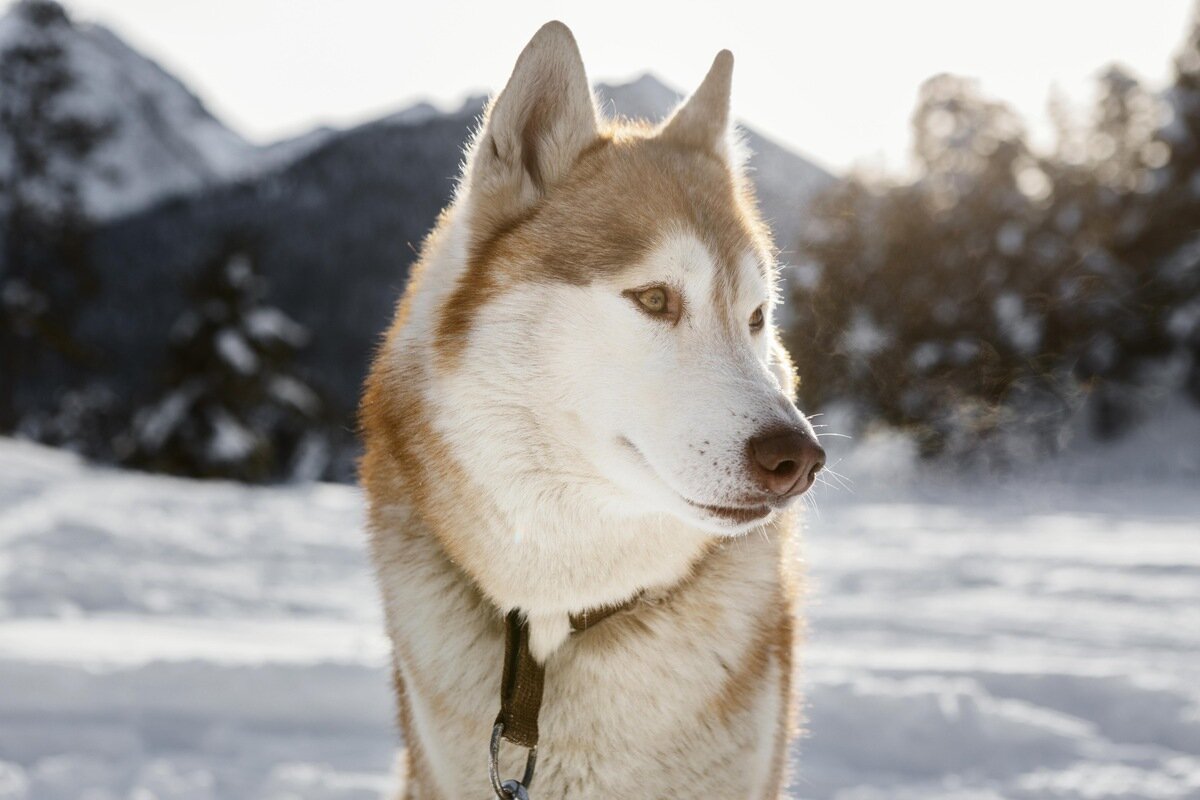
x: 164, y: 140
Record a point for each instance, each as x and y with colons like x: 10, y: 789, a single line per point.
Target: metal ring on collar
x: 510, y: 789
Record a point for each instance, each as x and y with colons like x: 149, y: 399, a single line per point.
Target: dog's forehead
x: 625, y: 198
x: 615, y: 206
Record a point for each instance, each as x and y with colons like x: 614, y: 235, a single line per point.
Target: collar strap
x: 520, y: 686
x: 523, y: 679
x: 592, y: 617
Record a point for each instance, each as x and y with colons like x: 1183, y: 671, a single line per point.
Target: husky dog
x: 583, y: 404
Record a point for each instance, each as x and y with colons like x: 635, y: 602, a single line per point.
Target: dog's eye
x: 653, y: 299
x: 661, y: 302
x: 757, y: 320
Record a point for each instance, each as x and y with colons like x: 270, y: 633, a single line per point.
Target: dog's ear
x: 536, y: 127
x: 702, y: 120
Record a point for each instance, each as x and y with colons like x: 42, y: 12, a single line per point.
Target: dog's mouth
x: 735, y: 515
x: 740, y: 515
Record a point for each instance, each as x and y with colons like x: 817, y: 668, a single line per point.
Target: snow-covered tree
x: 1000, y: 286
x: 43, y: 141
x: 1181, y: 133
x: 926, y: 309
x: 1169, y: 244
x: 232, y: 405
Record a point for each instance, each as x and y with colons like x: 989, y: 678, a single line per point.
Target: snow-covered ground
x: 975, y: 638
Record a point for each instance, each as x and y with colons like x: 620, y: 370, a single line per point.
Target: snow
x: 236, y: 352
x: 155, y: 424
x: 416, y: 114
x: 294, y: 393
x: 864, y: 337
x: 269, y: 325
x: 1184, y: 321
x: 1021, y: 327
x: 231, y: 441
x: 971, y: 636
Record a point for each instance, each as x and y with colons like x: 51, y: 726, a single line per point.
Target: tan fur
x: 585, y: 227
x: 688, y: 693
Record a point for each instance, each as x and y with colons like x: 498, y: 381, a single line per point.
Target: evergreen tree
x: 1181, y: 133
x: 927, y: 308
x: 1168, y: 245
x: 43, y: 266
x: 232, y: 406
x: 995, y: 290
x: 1102, y: 327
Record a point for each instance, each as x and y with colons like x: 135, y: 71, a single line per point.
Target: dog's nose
x: 785, y: 461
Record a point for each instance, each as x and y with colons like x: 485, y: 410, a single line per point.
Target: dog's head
x: 609, y: 335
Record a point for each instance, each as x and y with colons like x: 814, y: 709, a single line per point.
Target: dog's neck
x: 565, y: 554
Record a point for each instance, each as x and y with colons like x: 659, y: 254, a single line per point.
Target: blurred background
x: 179, y: 297
x: 988, y: 217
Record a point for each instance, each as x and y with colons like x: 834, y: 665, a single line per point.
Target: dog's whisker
x: 846, y: 483
x: 810, y: 501
x: 821, y: 480
x: 830, y: 468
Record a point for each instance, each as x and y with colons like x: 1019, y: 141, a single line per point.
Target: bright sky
x: 836, y: 80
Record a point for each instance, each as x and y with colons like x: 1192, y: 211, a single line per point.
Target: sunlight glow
x: 834, y: 80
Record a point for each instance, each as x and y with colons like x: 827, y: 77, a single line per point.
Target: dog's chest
x: 649, y: 699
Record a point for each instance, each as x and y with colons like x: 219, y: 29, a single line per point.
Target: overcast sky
x: 836, y: 80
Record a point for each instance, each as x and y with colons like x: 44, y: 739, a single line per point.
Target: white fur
x: 543, y: 409
x: 587, y: 427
